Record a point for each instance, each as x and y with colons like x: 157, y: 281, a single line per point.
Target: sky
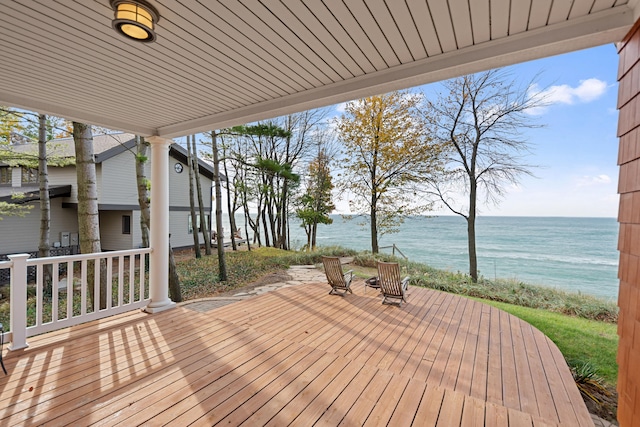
x: 576, y: 147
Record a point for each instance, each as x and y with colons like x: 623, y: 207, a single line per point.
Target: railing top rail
x: 6, y: 264
x: 80, y: 257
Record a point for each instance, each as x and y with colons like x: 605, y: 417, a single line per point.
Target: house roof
x: 32, y: 192
x: 220, y: 63
x: 105, y: 147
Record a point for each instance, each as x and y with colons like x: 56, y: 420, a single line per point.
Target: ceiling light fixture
x: 135, y: 19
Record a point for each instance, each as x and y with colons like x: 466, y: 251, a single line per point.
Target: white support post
x: 159, y: 227
x: 18, y: 301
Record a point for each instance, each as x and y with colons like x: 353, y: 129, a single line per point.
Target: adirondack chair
x: 340, y: 282
x: 392, y: 288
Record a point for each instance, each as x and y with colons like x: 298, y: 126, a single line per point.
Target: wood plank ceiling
x: 224, y: 62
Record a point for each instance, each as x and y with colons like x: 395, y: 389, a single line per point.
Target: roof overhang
x: 223, y: 63
x: 30, y: 194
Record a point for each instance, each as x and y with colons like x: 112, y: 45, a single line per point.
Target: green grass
x: 579, y: 340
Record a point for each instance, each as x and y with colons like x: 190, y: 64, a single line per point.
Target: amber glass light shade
x: 134, y: 19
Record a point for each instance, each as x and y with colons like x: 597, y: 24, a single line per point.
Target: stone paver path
x: 299, y: 274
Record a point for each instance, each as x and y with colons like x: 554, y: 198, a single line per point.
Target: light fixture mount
x: 135, y: 19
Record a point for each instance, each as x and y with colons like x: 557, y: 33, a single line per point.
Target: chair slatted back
x: 389, y: 278
x: 333, y: 270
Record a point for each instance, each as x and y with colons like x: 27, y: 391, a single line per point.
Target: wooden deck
x: 297, y: 356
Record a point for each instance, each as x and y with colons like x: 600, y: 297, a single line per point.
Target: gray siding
x: 21, y: 234
x: 179, y: 229
x: 179, y: 198
x: 136, y: 234
x: 178, y: 184
x: 118, y: 180
x: 65, y: 176
x: 111, y: 236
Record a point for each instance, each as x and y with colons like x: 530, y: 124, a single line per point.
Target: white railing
x: 61, y: 297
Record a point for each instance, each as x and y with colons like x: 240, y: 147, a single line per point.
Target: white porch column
x: 159, y: 227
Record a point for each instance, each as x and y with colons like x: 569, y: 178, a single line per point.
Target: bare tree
x: 203, y: 225
x: 479, y: 118
x: 222, y: 263
x: 232, y: 197
x: 192, y: 204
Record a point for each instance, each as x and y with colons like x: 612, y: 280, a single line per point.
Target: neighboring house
x: 117, y: 197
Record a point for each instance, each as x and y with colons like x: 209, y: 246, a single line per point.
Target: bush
x: 200, y: 277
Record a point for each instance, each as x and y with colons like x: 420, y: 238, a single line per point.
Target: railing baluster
x: 132, y: 277
x: 55, y: 291
x: 109, y: 284
x: 83, y: 287
x: 39, y: 293
x: 70, y: 289
x: 120, y: 280
x: 143, y: 267
x: 96, y: 285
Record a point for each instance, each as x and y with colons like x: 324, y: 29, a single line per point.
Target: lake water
x: 575, y: 254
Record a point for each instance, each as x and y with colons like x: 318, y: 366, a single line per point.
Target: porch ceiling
x: 226, y: 62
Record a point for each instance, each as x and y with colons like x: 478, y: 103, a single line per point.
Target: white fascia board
x: 601, y: 28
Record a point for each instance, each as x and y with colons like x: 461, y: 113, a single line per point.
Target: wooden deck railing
x: 62, y: 296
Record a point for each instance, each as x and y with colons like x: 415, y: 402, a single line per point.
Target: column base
x: 157, y: 309
x: 11, y: 347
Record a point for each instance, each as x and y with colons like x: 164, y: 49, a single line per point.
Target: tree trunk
x: 88, y: 215
x: 374, y: 226
x: 174, y: 280
x: 283, y: 232
x: 314, y: 233
x: 203, y: 220
x: 222, y: 263
x: 45, y: 205
x: 246, y: 232
x: 194, y: 221
x: 265, y: 226
x: 143, y: 191
x: 232, y: 217
x: 471, y: 232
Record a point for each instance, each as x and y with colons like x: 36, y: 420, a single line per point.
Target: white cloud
x: 588, y: 181
x: 588, y: 90
x: 340, y: 108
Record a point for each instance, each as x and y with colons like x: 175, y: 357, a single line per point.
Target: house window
x: 29, y: 176
x: 5, y: 176
x: 206, y: 218
x: 126, y: 224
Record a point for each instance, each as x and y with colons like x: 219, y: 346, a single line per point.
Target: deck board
x: 296, y: 356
